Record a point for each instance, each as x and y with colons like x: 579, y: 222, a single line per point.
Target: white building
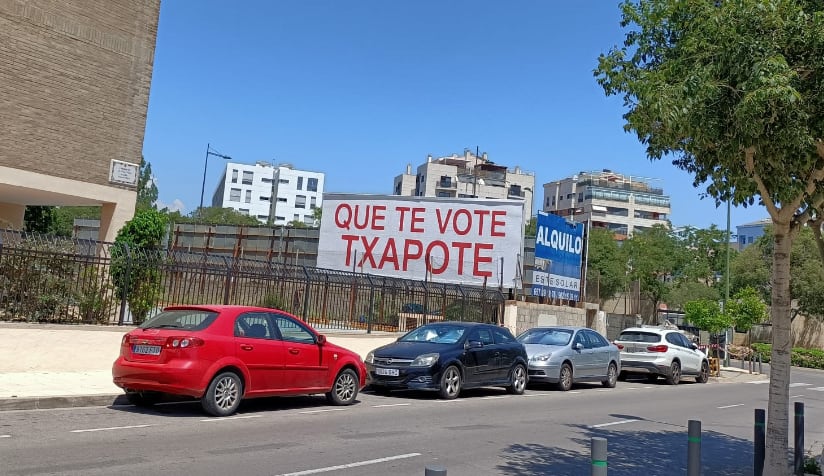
x: 274, y: 194
x: 467, y: 176
x: 621, y: 203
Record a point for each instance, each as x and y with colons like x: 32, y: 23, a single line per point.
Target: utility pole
x: 729, y: 334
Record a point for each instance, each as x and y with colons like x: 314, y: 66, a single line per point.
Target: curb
x: 50, y: 403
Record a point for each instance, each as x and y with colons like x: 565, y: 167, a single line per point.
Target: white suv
x: 659, y: 351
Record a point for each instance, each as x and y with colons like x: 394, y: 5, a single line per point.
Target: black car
x: 450, y: 356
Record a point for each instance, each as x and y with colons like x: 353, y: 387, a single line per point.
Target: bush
x: 273, y: 301
x: 800, y: 357
x: 95, y: 296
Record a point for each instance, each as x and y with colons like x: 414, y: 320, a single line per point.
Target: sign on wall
x: 558, y: 251
x: 461, y: 241
x: 124, y: 173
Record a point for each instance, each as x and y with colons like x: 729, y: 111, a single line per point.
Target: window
x: 309, y: 219
x: 311, y: 184
x: 266, y: 180
x: 234, y: 175
x: 277, y: 218
x: 187, y: 319
x: 263, y: 198
x: 283, y: 180
x: 263, y: 217
x: 254, y: 325
x: 553, y: 200
x: 581, y: 338
x: 580, y: 196
x: 248, y: 196
x: 248, y: 177
x: 296, y: 217
x: 483, y: 336
x: 282, y: 199
x: 313, y: 202
x: 503, y: 336
x: 292, y: 331
x: 245, y: 211
x: 300, y: 183
x: 444, y: 194
x: 234, y: 195
x: 300, y: 201
x: 596, y: 339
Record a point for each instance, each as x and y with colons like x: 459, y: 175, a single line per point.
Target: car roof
x: 653, y: 329
x: 221, y: 308
x: 566, y: 328
x: 463, y: 323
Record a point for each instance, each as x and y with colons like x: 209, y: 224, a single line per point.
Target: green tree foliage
x: 747, y: 309
x: 135, y: 261
x: 297, y: 224
x: 707, y: 315
x: 684, y: 291
x: 63, y: 218
x: 731, y: 91
x: 317, y: 214
x: 606, y: 265
x: 751, y: 269
x: 38, y: 219
x: 531, y: 228
x: 655, y: 257
x: 215, y: 216
x: 706, y: 254
x: 146, y: 187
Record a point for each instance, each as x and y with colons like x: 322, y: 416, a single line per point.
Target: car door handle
x: 246, y: 347
x: 292, y: 350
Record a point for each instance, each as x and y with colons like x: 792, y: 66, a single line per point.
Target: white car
x: 659, y: 351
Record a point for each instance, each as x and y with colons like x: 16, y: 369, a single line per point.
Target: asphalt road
x: 485, y: 432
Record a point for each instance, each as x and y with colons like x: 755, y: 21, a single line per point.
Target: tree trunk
x: 777, y: 448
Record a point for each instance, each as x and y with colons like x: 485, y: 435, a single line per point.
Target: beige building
x: 621, y: 203
x: 467, y: 176
x: 74, y: 89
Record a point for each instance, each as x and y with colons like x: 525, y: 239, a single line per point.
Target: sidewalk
x: 58, y: 366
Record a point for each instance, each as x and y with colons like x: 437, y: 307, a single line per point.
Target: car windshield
x: 546, y: 336
x: 191, y: 319
x: 437, y: 334
x: 638, y: 336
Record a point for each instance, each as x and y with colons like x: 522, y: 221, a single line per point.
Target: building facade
x: 274, y: 194
x: 74, y: 90
x: 467, y: 176
x: 748, y: 233
x: 621, y: 203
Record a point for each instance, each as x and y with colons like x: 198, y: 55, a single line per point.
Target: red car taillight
x: 620, y: 347
x: 125, y: 340
x: 183, y: 342
x: 657, y: 348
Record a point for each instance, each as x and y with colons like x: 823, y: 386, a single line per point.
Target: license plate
x: 146, y: 349
x: 387, y: 372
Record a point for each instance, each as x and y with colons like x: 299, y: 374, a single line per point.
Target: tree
x: 655, y: 257
x: 706, y: 254
x: 605, y: 263
x: 731, y: 91
x: 63, y: 218
x: 531, y: 228
x: 707, y: 315
x: 746, y: 309
x: 219, y: 216
x: 146, y: 187
x: 38, y: 219
x: 297, y: 224
x: 684, y: 291
x: 317, y: 214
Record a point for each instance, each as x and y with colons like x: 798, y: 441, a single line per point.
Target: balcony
x: 449, y: 184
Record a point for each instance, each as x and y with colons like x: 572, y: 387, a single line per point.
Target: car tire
x: 517, y: 380
x: 143, y: 399
x: 704, y: 374
x: 450, y: 383
x: 222, y: 398
x: 674, y: 374
x: 612, y: 376
x: 565, y: 378
x: 345, y: 389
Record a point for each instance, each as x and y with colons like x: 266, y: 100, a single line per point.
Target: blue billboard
x: 559, y: 245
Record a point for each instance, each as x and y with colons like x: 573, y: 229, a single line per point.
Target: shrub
x: 94, y: 298
x: 800, y: 357
x: 272, y: 301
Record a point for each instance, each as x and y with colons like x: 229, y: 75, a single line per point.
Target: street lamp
x: 209, y: 151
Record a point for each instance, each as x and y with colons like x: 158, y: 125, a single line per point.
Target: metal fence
x: 44, y: 279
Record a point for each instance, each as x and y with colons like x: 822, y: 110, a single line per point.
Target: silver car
x: 565, y: 355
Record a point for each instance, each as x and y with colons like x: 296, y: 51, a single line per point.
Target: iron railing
x: 47, y: 279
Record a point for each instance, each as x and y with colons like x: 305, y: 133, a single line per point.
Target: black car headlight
x: 425, y: 360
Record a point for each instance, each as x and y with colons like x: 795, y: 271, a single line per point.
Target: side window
x: 293, y: 331
x: 685, y: 341
x: 673, y: 338
x: 581, y: 338
x: 481, y: 335
x: 503, y: 336
x: 595, y: 339
x: 255, y: 325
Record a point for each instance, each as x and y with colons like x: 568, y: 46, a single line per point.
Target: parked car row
x: 223, y: 354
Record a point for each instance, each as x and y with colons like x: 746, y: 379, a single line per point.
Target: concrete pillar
x: 112, y: 218
x: 11, y: 215
x: 511, y: 316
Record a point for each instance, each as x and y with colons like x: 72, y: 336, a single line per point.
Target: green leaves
x: 707, y: 315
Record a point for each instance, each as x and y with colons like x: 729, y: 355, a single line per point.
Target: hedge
x: 800, y: 357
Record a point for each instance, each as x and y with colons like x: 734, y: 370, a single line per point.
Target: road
x: 484, y: 432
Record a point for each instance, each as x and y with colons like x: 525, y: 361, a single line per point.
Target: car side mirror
x: 474, y: 344
x: 694, y: 346
x: 321, y: 339
x: 578, y: 346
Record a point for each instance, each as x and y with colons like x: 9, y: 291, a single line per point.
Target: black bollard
x: 694, y: 448
x: 759, y: 441
x: 798, y: 460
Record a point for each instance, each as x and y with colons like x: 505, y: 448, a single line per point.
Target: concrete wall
x: 520, y: 316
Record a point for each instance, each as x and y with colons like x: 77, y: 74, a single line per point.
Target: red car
x: 221, y: 354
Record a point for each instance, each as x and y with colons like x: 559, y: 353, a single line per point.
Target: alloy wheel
x: 345, y: 387
x: 226, y: 392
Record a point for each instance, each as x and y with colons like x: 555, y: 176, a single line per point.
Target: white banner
x: 461, y: 241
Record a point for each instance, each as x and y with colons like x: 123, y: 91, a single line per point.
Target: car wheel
x: 223, y: 395
x: 517, y: 380
x: 704, y: 374
x: 143, y: 399
x: 345, y: 389
x: 565, y: 378
x: 674, y: 374
x: 450, y: 383
x: 612, y: 376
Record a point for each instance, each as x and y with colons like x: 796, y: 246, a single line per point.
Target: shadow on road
x: 189, y: 408
x: 630, y: 453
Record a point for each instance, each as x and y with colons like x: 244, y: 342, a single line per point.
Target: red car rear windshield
x: 191, y: 319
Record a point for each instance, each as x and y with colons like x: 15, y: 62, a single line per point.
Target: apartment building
x: 621, y: 203
x: 467, y: 176
x: 748, y: 233
x: 274, y: 194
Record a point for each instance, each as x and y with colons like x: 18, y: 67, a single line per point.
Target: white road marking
x: 603, y: 390
x: 647, y: 387
x: 576, y: 391
x: 793, y: 385
x: 450, y: 401
x: 756, y: 382
x: 239, y: 417
x: 633, y: 388
x: 817, y: 389
x: 351, y: 465
x: 5, y: 436
x: 619, y: 422
x: 495, y: 397
x: 796, y: 396
x: 309, y: 412
x: 110, y: 428
x: 731, y: 406
x: 392, y: 405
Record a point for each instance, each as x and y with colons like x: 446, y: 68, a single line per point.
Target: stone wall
x: 520, y: 316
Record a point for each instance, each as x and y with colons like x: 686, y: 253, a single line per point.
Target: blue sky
x: 358, y: 89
